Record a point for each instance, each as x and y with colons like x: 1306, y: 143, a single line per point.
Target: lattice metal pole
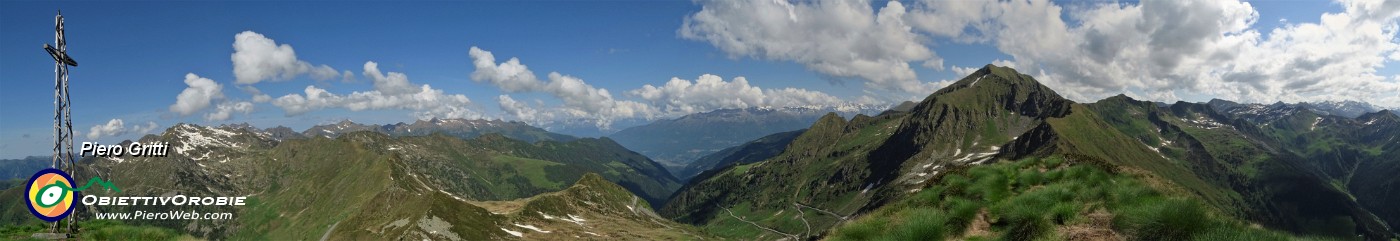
x: 63, y: 117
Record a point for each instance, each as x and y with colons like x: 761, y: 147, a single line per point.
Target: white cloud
x: 790, y: 97
x: 522, y: 111
x: 257, y: 58
x: 963, y: 71
x: 1156, y: 49
x: 510, y: 76
x: 392, y: 84
x: 1373, y: 10
x: 197, y: 96
x: 835, y: 37
x: 150, y: 126
x: 226, y: 109
x: 203, y: 92
x: 258, y: 95
x: 580, y: 100
x: 112, y: 128
x: 116, y: 127
x: 707, y: 92
x: 392, y: 91
x: 347, y: 77
x: 710, y: 92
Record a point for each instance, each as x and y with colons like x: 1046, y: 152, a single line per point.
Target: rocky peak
x: 994, y: 87
x: 1223, y: 105
x: 983, y: 110
x: 1382, y: 116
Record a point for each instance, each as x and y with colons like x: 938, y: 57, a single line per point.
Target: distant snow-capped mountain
x: 1348, y: 109
x: 463, y: 128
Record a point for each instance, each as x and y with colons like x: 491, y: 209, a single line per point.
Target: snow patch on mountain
x: 513, y: 233
x: 531, y: 227
x: 193, y: 137
x: 979, y: 78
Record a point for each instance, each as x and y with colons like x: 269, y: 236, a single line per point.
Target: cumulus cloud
x: 116, y: 127
x: 198, y: 94
x: 709, y: 92
x: 963, y: 71
x: 257, y: 58
x: 258, y: 95
x: 347, y: 77
x: 839, y: 38
x: 1154, y: 49
x: 226, y: 109
x: 391, y: 91
x: 139, y: 129
x: 1161, y: 48
x: 523, y: 111
x: 510, y: 76
x: 789, y: 97
x: 580, y: 100
x: 112, y: 128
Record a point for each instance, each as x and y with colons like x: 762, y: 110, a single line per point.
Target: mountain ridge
x: 462, y: 128
x: 1186, y: 149
x: 712, y: 131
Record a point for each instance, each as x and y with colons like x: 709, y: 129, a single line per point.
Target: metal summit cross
x: 62, y: 118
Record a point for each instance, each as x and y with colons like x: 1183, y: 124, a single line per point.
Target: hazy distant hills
x: 946, y: 163
x: 16, y: 171
x: 23, y: 168
x: 750, y: 152
x: 677, y: 142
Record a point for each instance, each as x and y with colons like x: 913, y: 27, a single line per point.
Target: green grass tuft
x: 864, y: 229
x: 922, y: 224
x: 961, y: 212
x: 1164, y: 219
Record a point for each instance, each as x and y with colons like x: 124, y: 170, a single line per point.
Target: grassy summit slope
x: 1047, y: 199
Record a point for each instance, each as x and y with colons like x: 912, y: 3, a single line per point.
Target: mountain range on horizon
x: 967, y: 155
x: 715, y: 130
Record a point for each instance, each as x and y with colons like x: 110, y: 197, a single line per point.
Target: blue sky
x: 134, y: 57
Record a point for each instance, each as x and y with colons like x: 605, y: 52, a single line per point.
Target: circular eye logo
x: 50, y: 194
